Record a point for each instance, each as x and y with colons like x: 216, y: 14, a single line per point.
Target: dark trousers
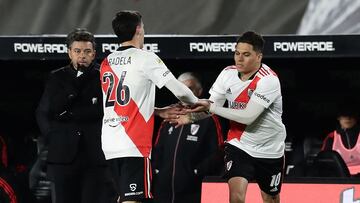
x: 80, y: 183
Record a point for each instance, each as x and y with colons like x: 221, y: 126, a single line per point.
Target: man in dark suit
x: 69, y: 116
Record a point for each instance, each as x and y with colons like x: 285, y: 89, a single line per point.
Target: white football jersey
x: 128, y: 78
x: 265, y: 137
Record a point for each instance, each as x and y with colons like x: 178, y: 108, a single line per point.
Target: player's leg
x: 237, y: 189
x: 270, y: 198
x: 239, y: 170
x: 269, y: 178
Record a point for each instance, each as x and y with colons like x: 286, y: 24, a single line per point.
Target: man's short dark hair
x: 124, y: 24
x: 348, y: 107
x: 80, y: 34
x: 253, y: 38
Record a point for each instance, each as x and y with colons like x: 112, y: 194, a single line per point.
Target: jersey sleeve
x: 156, y: 70
x: 267, y: 90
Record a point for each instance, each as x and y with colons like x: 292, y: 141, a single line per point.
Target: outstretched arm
x: 244, y: 116
x: 198, y: 111
x: 182, y: 92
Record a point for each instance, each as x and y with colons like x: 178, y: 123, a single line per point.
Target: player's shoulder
x: 229, y: 68
x: 267, y: 77
x: 144, y: 53
x: 228, y: 71
x: 266, y: 71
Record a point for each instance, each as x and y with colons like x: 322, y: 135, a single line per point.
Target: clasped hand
x: 180, y: 114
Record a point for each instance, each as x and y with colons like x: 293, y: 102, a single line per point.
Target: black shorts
x: 132, y: 176
x: 268, y: 173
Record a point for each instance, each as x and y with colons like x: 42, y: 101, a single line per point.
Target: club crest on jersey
x: 250, y: 92
x: 228, y: 165
x: 194, y: 128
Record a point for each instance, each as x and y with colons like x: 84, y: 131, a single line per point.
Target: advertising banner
x: 186, y: 46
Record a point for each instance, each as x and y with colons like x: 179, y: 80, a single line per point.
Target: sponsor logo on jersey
x: 262, y: 97
x: 304, y: 46
x: 113, y: 122
x: 228, y: 165
x: 133, y: 187
x: 228, y: 91
x: 39, y: 48
x: 194, y: 128
x: 237, y: 105
x: 212, y: 46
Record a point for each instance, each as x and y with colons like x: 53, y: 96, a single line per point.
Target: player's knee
x: 237, y: 198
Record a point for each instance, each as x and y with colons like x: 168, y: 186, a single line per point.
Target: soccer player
x: 129, y: 76
x: 255, y: 142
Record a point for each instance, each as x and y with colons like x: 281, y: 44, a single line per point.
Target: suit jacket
x: 70, y: 115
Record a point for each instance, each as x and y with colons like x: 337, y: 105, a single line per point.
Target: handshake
x: 181, y: 114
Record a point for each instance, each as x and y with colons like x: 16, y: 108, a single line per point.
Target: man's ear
x: 69, y: 54
x: 138, y: 29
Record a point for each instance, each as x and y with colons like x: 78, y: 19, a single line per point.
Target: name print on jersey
x: 120, y: 60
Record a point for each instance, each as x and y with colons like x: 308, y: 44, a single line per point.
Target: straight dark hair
x: 253, y: 38
x: 124, y: 24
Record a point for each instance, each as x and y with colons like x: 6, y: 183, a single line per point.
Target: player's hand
x: 201, y: 105
x: 170, y: 112
x: 180, y: 120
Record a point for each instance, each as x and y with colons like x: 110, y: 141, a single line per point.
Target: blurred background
x: 199, y: 17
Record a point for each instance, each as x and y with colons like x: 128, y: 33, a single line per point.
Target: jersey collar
x: 122, y: 48
x: 253, y: 75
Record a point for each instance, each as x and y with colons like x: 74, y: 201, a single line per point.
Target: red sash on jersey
x: 237, y: 129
